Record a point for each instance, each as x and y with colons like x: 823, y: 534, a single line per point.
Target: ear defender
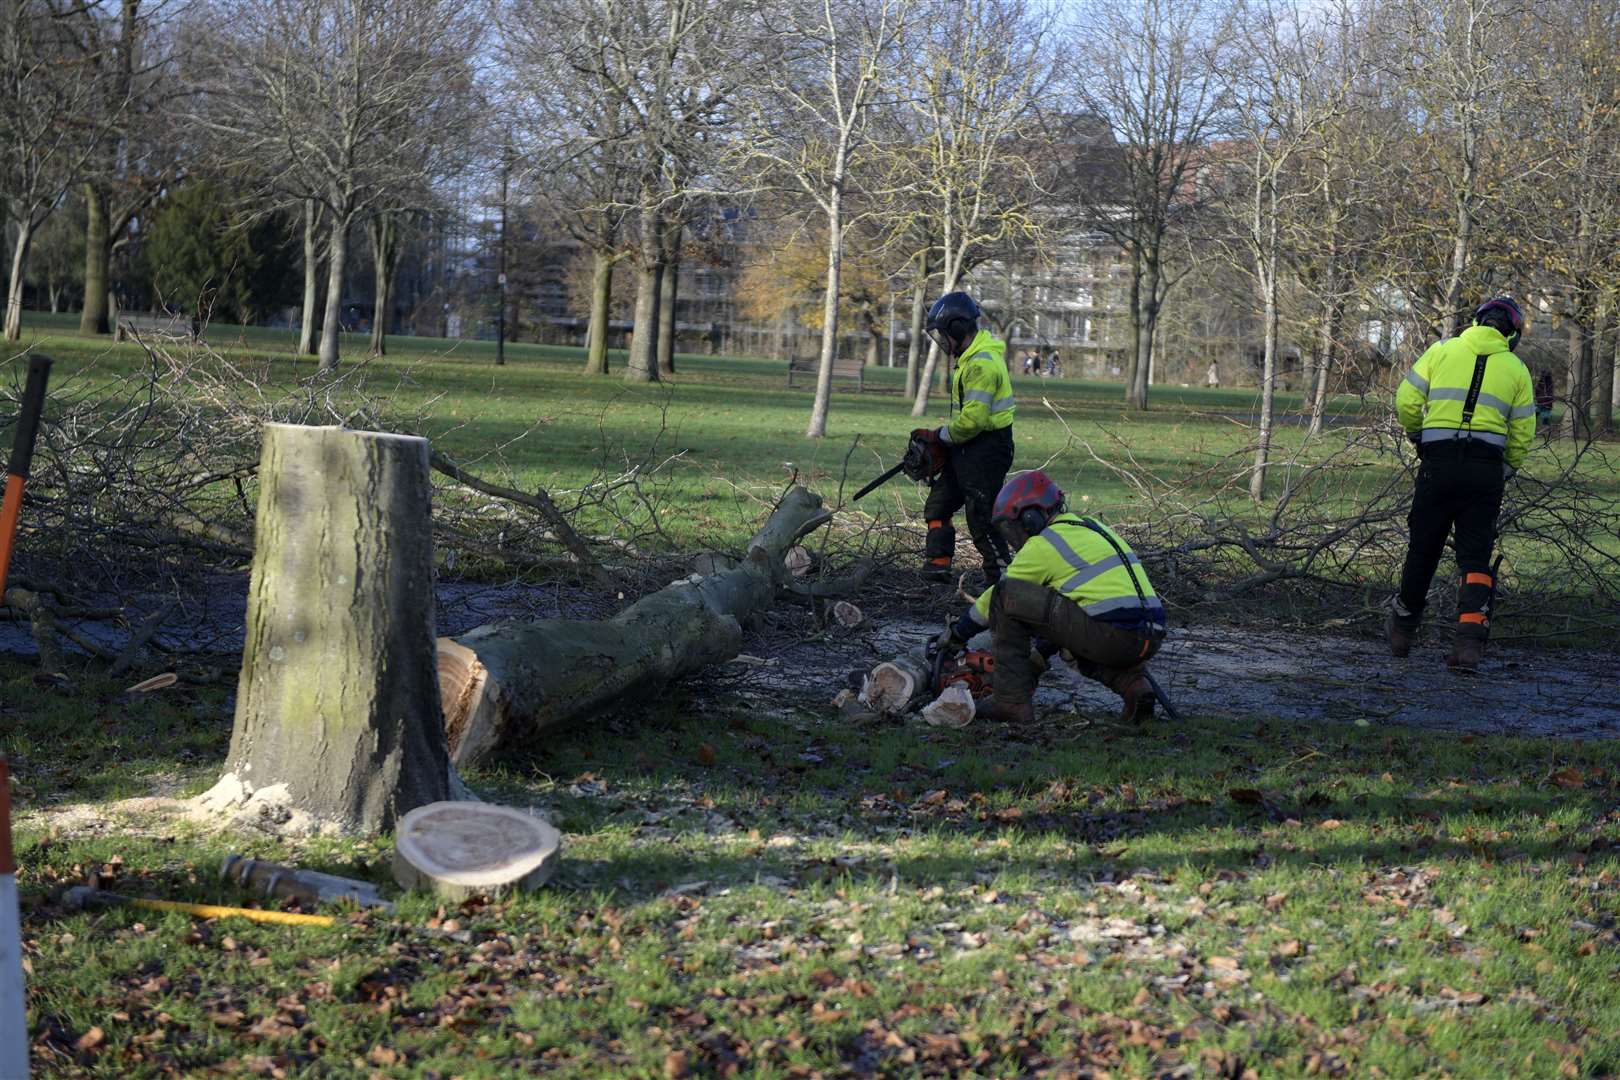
x: 1032, y: 519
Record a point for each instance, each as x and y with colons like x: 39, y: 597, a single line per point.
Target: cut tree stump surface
x: 458, y: 849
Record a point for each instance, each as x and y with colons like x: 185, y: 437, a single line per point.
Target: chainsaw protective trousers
x: 971, y: 479
x: 1020, y: 610
x: 1458, y: 487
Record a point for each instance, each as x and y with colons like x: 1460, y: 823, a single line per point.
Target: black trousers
x: 1023, y: 610
x: 971, y: 480
x: 1459, y: 488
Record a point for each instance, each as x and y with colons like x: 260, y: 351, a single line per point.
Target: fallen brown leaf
x: 91, y: 1039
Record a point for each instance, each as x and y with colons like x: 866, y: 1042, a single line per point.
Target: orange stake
x: 22, y: 455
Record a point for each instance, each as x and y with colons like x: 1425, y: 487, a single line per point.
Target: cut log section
x: 461, y: 849
x: 953, y: 709
x: 894, y: 685
x: 504, y: 682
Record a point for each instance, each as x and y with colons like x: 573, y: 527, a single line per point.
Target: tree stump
x: 506, y: 681
x: 338, y: 721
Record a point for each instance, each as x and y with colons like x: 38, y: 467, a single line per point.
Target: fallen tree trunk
x: 506, y: 681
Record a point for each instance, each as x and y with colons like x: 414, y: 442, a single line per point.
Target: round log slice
x: 460, y: 849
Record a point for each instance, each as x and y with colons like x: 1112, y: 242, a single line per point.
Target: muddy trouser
x: 1020, y: 610
x: 971, y: 480
x: 1459, y: 485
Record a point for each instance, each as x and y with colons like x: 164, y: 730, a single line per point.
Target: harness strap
x: 1473, y: 391
x: 1147, y: 614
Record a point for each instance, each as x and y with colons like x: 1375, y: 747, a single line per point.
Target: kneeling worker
x: 1073, y: 583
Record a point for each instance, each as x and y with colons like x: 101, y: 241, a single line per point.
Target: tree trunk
x: 1147, y: 318
x: 14, y: 291
x: 337, y: 709
x: 1268, y: 376
x: 382, y: 257
x: 919, y: 407
x: 1328, y: 344
x: 1603, y: 388
x: 505, y: 683
x: 668, y: 287
x: 312, y: 266
x: 643, y: 365
x: 919, y: 310
x: 1580, y: 371
x: 97, y: 259
x: 596, y: 358
x: 829, y: 311
x: 337, y: 254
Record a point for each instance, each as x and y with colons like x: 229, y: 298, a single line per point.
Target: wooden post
x: 337, y: 710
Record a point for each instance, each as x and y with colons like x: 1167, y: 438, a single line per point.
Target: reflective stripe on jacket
x: 1072, y: 559
x: 982, y: 390
x: 1432, y: 396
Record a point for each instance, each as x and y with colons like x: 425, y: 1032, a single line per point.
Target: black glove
x: 948, y: 642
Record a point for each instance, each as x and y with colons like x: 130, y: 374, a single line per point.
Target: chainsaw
x: 924, y: 458
x: 971, y: 668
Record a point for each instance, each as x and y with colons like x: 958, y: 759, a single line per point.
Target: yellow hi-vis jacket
x: 982, y: 390
x: 1074, y: 560
x: 1432, y: 397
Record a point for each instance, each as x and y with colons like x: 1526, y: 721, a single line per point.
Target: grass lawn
x: 761, y: 887
x: 776, y: 893
x: 733, y: 421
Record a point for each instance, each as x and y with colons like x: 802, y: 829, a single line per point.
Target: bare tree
x: 574, y: 126
x: 1456, y: 77
x: 665, y: 71
x: 809, y: 127
x: 1573, y: 230
x: 49, y: 80
x: 343, y: 101
x: 143, y: 150
x: 1272, y: 104
x: 1147, y: 67
x: 978, y: 75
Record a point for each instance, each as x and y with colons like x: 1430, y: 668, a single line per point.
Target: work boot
x: 1136, y: 696
x: 1003, y: 712
x: 1401, y: 627
x: 937, y: 569
x: 1466, y: 654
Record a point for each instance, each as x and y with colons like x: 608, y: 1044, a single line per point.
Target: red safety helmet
x: 1030, y: 499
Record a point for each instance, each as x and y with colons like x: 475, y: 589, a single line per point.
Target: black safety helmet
x: 1504, y: 315
x: 952, y: 322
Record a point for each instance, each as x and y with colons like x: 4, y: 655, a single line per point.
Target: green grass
x: 733, y: 421
x: 782, y: 893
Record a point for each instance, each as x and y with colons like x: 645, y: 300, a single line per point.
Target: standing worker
x: 978, y: 441
x: 1469, y: 407
x: 1074, y: 584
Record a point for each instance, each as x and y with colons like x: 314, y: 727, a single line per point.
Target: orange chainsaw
x: 972, y: 668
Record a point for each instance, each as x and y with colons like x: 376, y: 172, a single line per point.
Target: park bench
x: 173, y: 327
x: 850, y: 368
